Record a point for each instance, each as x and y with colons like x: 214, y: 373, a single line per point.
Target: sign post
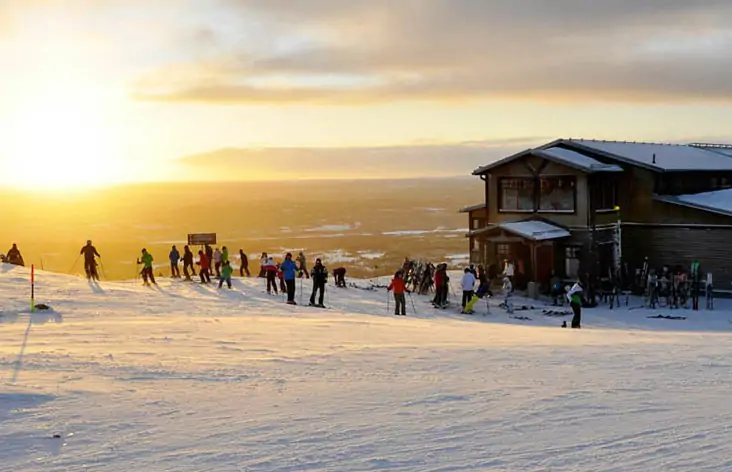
x: 201, y: 239
x: 33, y: 288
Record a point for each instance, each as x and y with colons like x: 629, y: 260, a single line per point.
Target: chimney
x: 654, y: 158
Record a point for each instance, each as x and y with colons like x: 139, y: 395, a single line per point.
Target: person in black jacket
x: 188, y: 262
x: 90, y: 264
x: 244, y: 264
x: 319, y: 275
x: 13, y: 256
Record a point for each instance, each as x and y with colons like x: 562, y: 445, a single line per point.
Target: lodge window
x: 516, y: 195
x: 557, y: 194
x: 605, y: 193
x: 503, y: 251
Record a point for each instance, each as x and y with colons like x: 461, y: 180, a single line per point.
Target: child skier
x: 574, y: 295
x: 147, y: 269
x: 270, y: 271
x: 217, y: 262
x: 399, y: 286
x: 226, y: 271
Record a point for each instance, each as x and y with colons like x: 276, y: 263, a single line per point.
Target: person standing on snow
x: 209, y: 256
x: 574, y: 295
x: 90, y: 265
x: 244, y: 264
x: 203, y: 261
x: 399, y: 287
x: 217, y: 262
x: 303, y: 263
x: 320, y: 278
x: 270, y: 270
x: 263, y: 265
x: 224, y: 255
x: 147, y: 268
x: 289, y: 272
x: 468, y: 284
x: 226, y: 271
x: 174, y: 258
x: 13, y: 256
x: 507, y: 292
x: 188, y: 262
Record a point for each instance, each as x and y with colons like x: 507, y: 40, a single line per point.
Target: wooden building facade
x: 576, y: 207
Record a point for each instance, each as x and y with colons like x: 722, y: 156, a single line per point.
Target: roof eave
x: 675, y: 201
x: 609, y: 155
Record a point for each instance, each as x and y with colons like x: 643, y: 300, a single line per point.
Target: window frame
x: 596, y: 201
x: 502, y: 180
x: 573, y: 211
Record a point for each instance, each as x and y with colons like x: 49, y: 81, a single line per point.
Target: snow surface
x: 671, y: 157
x: 184, y: 377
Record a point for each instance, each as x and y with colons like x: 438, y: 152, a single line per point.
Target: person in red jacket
x: 205, y: 264
x: 399, y: 287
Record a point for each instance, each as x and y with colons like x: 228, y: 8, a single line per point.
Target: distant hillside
x: 348, y: 163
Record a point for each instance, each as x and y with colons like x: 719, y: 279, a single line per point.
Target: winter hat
x: 289, y: 254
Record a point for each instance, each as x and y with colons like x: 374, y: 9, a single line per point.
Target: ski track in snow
x: 186, y: 377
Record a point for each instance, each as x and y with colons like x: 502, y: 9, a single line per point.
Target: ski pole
x: 75, y: 262
x: 301, y: 289
x: 387, y: 301
x: 101, y: 264
x: 412, y: 300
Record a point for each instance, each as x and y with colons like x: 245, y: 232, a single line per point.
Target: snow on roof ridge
x: 626, y: 142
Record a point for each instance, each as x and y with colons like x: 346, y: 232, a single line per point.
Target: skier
x: 509, y: 270
x: 147, y: 269
x: 244, y: 264
x: 320, y: 278
x: 270, y: 269
x: 217, y: 262
x: 574, y: 295
x: 507, y: 292
x: 13, y: 256
x: 205, y: 264
x: 289, y: 269
x: 302, y: 262
x: 441, y: 286
x: 468, y: 284
x: 188, y: 262
x: 399, y: 287
x: 339, y: 275
x: 210, y: 257
x: 174, y: 258
x: 226, y: 272
x: 263, y: 265
x: 484, y: 289
x: 90, y: 264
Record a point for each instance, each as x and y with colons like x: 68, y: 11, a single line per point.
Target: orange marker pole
x: 33, y: 288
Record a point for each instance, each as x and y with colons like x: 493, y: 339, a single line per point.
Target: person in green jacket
x: 226, y: 271
x: 147, y: 267
x: 224, y: 255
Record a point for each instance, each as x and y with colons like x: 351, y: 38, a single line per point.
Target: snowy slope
x: 188, y: 378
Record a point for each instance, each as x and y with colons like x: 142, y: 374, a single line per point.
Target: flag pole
x: 33, y: 288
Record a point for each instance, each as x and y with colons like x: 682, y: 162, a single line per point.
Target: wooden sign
x: 200, y: 239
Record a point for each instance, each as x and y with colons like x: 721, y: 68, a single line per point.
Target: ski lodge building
x: 577, y: 206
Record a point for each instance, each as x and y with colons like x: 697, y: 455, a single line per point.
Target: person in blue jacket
x: 174, y: 258
x: 289, y: 273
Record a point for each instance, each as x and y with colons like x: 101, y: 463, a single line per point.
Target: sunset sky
x: 109, y: 90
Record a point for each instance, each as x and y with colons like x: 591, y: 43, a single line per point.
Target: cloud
x: 366, y: 51
x: 411, y: 161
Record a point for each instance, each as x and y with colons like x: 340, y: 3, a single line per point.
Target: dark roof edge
x: 675, y: 201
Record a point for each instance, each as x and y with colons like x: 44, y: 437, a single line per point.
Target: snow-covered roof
x: 561, y: 156
x: 668, y: 157
x: 719, y: 201
x: 534, y: 230
x: 468, y: 209
x: 577, y: 160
